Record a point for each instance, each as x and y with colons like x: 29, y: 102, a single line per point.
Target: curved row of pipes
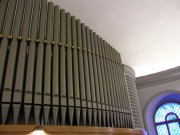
x: 54, y: 70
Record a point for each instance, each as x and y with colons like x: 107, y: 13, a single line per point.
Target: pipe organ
x: 55, y: 70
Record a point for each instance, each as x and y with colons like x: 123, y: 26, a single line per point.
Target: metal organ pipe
x: 48, y: 60
x: 39, y: 62
x: 29, y: 77
x: 81, y: 74
x: 4, y: 51
x: 86, y: 75
x: 55, y: 65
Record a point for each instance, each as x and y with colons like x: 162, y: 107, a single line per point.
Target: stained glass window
x: 167, y: 120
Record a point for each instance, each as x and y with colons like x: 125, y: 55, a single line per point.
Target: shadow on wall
x: 152, y: 106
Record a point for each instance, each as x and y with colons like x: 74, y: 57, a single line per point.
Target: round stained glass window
x: 167, y: 120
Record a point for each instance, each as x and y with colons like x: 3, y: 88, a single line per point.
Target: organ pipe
x: 29, y: 80
x: 21, y: 60
x: 55, y: 70
x: 86, y: 75
x: 9, y: 29
x: 48, y: 37
x: 69, y: 72
x: 96, y: 84
x: 75, y: 70
x: 99, y: 78
x: 107, y: 84
x: 62, y: 81
x: 104, y: 88
x: 91, y: 75
x: 81, y: 73
x: 55, y: 65
x: 39, y: 62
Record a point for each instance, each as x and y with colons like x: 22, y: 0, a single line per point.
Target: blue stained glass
x: 165, y: 109
x: 162, y: 130
x: 167, y: 119
x: 171, y: 117
x: 174, y: 128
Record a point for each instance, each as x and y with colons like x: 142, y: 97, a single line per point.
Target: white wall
x: 152, y: 93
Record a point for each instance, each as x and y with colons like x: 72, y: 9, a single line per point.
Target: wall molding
x: 158, y: 78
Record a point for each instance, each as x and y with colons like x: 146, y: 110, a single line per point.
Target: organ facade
x: 55, y: 70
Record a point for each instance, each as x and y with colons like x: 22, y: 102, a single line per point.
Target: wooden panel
x: 67, y: 130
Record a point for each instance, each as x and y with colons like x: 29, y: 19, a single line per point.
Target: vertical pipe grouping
x: 104, y: 87
x: 12, y: 54
x: 55, y: 70
x: 31, y: 59
x: 22, y: 60
x: 39, y: 61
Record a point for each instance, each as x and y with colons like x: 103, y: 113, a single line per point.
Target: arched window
x: 167, y: 119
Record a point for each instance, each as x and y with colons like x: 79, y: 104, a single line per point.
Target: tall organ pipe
x: 21, y: 60
x: 107, y: 83
x: 113, y: 76
x: 120, y: 94
x: 47, y: 64
x: 96, y: 83
x: 12, y: 56
x: 28, y: 99
x: 87, y: 76
x: 98, y: 98
x: 91, y: 75
x: 119, y: 122
x: 69, y: 72
x: 123, y: 95
x: 62, y: 80
x: 115, y: 86
x: 6, y: 93
x: 101, y: 92
x: 39, y: 61
x: 75, y: 70
x: 81, y: 73
x: 8, y: 29
x: 103, y: 81
x: 113, y: 114
x: 55, y: 65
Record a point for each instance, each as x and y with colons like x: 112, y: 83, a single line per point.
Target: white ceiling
x: 145, y: 32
